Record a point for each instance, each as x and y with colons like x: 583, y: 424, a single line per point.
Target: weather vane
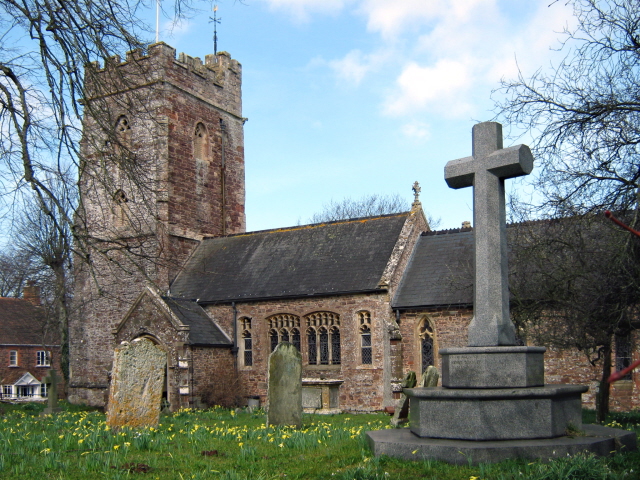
x: 215, y: 20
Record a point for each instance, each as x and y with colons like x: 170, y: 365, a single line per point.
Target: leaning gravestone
x: 137, y: 379
x: 401, y: 413
x: 285, y: 386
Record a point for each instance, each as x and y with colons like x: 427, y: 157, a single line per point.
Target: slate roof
x: 321, y: 259
x: 440, y: 271
x: 23, y: 323
x: 203, y: 329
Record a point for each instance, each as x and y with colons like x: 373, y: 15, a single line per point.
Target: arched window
x: 284, y: 327
x: 122, y: 134
x: 246, y: 342
x: 121, y: 209
x: 426, y: 335
x: 200, y: 142
x: 323, y: 338
x: 366, y: 349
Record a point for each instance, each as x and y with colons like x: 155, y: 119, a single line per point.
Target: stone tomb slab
x: 493, y: 367
x: 401, y: 443
x: 495, y: 414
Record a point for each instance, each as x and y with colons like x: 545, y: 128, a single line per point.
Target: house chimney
x: 31, y: 293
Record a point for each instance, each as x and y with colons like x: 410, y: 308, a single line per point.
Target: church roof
x: 439, y: 272
x: 321, y: 259
x: 23, y: 323
x: 202, y: 331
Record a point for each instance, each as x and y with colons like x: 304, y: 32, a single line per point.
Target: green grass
x: 220, y: 444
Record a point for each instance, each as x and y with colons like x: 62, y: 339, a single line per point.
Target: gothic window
x: 335, y: 345
x: 246, y: 343
x: 366, y: 350
x: 623, y: 354
x: 199, y: 142
x: 323, y: 338
x: 295, y: 338
x: 121, y: 210
x: 122, y: 134
x: 365, y: 345
x: 426, y: 341
x: 284, y: 328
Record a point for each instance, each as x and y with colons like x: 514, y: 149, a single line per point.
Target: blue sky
x: 351, y: 97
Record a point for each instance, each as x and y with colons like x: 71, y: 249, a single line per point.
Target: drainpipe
x: 223, y: 188
x: 234, y: 349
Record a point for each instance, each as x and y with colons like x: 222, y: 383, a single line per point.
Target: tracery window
x: 246, y: 344
x: 121, y: 210
x: 284, y: 327
x: 122, y: 134
x: 366, y: 349
x: 623, y: 354
x: 199, y: 142
x: 426, y: 335
x: 323, y: 338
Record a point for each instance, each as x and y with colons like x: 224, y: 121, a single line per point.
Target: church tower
x: 162, y: 166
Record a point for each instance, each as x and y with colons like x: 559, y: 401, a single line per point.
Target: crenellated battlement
x: 218, y: 76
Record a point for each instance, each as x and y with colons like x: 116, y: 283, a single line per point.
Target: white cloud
x: 301, y: 10
x: 417, y: 130
x: 355, y: 65
x: 441, y: 86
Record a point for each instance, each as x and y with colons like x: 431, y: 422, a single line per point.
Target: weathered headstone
x: 486, y: 170
x: 51, y: 381
x: 285, y: 386
x: 137, y: 379
x: 401, y: 413
x: 429, y: 378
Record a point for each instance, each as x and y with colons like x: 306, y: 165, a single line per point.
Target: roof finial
x: 416, y: 194
x: 215, y: 20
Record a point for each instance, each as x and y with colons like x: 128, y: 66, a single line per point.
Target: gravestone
x: 51, y: 381
x: 137, y: 379
x: 493, y: 403
x: 285, y: 386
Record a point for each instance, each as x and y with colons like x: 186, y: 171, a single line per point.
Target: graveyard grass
x: 229, y: 445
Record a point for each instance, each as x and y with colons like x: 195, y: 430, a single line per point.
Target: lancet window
x: 246, y: 343
x: 323, y: 338
x: 426, y: 335
x: 366, y: 349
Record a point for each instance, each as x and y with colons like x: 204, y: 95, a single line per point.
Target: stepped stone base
x: 495, y: 414
x: 493, y: 367
x: 401, y: 443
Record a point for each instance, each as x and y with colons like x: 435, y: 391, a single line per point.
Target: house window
x: 43, y: 359
x: 623, y: 354
x: 284, y: 328
x: 7, y: 391
x: 43, y: 390
x: 323, y: 338
x: 366, y: 352
x: 13, y: 358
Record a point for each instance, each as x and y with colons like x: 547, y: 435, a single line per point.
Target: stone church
x: 364, y: 300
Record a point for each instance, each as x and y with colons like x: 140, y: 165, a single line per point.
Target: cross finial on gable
x: 416, y: 194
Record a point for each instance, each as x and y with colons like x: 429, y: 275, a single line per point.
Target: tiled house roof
x: 23, y: 323
x: 322, y: 259
x: 203, y: 331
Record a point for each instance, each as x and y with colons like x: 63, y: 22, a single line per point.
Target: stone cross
x: 51, y: 381
x: 486, y: 170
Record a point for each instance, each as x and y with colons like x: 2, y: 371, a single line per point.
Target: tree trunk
x: 63, y: 319
x: 602, y: 398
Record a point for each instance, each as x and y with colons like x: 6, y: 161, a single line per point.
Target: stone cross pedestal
x: 493, y: 403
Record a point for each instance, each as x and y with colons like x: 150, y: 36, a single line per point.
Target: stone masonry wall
x: 364, y: 388
x: 143, y: 212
